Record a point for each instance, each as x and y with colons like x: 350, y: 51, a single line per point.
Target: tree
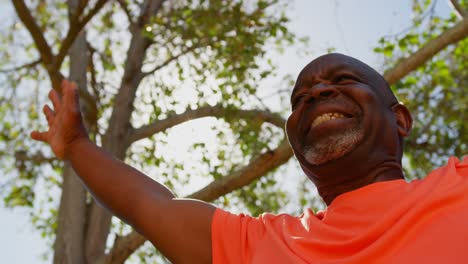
x: 144, y: 67
x: 438, y: 83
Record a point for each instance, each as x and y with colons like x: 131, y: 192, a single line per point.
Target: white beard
x: 333, y: 146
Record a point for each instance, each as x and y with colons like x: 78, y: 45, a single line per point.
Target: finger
x: 49, y: 114
x: 40, y: 136
x: 55, y: 98
x: 71, y: 96
x: 62, y: 85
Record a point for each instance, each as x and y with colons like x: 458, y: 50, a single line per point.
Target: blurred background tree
x: 171, y: 88
x: 435, y: 90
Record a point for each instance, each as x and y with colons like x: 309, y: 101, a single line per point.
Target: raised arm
x: 179, y: 228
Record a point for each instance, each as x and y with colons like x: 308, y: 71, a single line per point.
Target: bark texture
x: 69, y: 239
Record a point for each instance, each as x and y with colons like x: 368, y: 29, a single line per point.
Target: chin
x: 333, y: 147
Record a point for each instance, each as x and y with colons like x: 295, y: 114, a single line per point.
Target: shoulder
x: 225, y: 217
x: 453, y: 175
x: 264, y: 223
x: 453, y: 167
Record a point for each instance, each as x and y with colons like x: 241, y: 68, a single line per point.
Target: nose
x: 322, y: 91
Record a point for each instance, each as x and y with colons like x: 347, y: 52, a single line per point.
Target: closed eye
x: 296, y: 100
x: 345, y: 79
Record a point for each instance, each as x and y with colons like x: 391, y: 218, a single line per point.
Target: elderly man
x: 346, y: 130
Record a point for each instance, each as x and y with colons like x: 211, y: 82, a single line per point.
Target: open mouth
x: 325, y: 117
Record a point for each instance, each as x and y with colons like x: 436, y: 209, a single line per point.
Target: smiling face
x: 341, y: 107
x: 329, y: 124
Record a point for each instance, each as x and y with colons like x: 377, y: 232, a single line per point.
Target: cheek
x: 288, y: 126
x: 384, y: 130
x: 291, y: 126
x: 361, y: 94
x: 391, y: 126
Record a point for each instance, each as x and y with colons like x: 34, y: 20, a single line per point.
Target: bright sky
x: 352, y: 27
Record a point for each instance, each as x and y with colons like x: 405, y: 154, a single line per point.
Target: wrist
x: 74, y: 147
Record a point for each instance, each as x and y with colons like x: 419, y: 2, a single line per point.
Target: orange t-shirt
x: 425, y: 221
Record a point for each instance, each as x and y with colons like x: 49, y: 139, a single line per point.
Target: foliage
x: 201, y: 53
x: 434, y: 93
x: 198, y: 53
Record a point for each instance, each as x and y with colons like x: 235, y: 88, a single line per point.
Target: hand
x: 65, y: 122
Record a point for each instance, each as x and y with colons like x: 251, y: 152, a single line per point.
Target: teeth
x: 326, y: 117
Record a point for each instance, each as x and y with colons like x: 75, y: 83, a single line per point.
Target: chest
x: 434, y: 235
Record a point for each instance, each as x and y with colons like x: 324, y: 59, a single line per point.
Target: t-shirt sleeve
x: 234, y: 237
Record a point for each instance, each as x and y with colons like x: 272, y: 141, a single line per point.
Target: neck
x: 384, y: 172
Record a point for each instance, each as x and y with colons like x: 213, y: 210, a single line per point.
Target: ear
x: 403, y: 119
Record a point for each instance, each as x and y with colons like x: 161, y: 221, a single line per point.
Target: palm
x: 55, y: 135
x: 65, y: 125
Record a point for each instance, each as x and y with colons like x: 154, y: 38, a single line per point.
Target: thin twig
x: 166, y: 62
x: 429, y: 12
x: 73, y: 32
x: 27, y: 65
x: 36, y: 33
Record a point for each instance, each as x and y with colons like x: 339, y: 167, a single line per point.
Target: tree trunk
x: 69, y: 240
x: 116, y: 138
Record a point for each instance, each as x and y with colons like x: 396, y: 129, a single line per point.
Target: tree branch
x: 45, y: 52
x: 22, y: 156
x: 77, y: 11
x: 125, y: 8
x: 407, y: 65
x: 459, y: 10
x: 123, y: 247
x: 258, y: 167
x: 123, y: 103
x: 74, y: 30
x: 204, y: 111
x: 38, y: 36
x: 27, y: 65
x: 92, y: 71
x: 171, y: 59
